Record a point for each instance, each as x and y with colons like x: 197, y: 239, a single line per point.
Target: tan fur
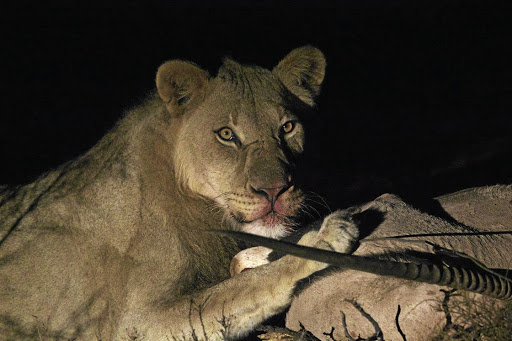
x: 112, y: 245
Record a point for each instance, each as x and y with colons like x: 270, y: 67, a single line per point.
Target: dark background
x: 417, y: 99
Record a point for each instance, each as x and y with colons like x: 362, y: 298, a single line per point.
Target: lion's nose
x: 273, y: 192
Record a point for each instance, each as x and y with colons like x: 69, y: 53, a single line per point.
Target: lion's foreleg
x: 231, y: 309
x: 228, y: 310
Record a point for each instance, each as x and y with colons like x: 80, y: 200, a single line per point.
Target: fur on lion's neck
x: 165, y: 209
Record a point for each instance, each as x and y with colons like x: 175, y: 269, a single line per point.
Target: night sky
x: 417, y: 99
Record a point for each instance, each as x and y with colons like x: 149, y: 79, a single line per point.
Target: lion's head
x: 240, y: 133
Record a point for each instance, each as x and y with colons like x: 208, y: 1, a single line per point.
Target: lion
x: 114, y: 245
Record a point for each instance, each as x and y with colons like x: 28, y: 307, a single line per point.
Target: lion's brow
x: 233, y: 116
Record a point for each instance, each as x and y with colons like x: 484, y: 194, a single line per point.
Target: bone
x: 249, y: 259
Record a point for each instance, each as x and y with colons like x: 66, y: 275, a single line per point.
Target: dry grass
x: 475, y: 318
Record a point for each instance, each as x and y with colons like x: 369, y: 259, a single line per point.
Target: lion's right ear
x: 180, y: 85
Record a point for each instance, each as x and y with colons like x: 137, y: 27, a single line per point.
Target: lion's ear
x: 180, y: 84
x: 302, y: 71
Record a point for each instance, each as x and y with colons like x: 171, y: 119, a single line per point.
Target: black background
x: 417, y: 99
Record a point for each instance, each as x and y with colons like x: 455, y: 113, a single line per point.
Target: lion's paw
x: 339, y: 232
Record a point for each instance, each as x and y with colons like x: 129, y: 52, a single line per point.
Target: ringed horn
x: 477, y: 279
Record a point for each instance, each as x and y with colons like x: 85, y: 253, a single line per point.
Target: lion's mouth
x: 273, y: 218
x: 270, y: 219
x: 271, y: 224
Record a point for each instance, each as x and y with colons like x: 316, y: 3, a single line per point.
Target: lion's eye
x: 288, y: 127
x: 226, y: 134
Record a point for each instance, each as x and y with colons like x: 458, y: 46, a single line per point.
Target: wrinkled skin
x: 112, y: 245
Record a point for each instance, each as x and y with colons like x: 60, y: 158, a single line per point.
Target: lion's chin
x: 268, y: 226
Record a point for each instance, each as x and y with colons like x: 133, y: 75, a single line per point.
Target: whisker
x: 316, y: 195
x: 311, y: 196
x: 224, y: 220
x: 215, y: 207
x: 314, y: 213
x: 304, y: 208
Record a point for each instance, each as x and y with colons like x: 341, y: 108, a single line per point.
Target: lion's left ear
x: 302, y: 71
x: 180, y: 85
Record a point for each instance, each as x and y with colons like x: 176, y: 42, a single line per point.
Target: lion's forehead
x: 249, y: 84
x: 256, y: 100
x: 248, y: 80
